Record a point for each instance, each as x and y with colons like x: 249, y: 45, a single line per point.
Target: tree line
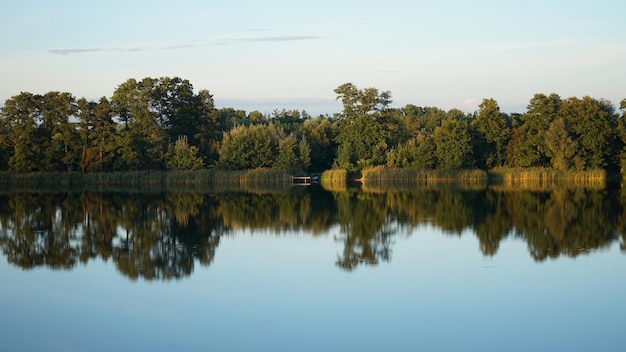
x: 162, y: 124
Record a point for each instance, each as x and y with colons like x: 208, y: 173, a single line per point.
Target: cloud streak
x: 277, y: 38
x: 187, y: 45
x: 73, y: 51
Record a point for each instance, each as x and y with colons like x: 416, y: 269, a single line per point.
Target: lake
x: 422, y: 268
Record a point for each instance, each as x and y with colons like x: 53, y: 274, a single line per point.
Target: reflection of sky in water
x: 284, y: 293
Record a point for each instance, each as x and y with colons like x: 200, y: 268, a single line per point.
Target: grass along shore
x: 335, y: 179
x: 199, y: 177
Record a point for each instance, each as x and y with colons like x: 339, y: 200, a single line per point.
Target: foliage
x: 453, y: 147
x: 492, y: 135
x: 161, y: 124
x: 181, y: 156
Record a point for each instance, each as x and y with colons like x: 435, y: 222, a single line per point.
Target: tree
x: 142, y: 140
x: 181, y: 156
x: 418, y: 152
x: 287, y: 157
x: 208, y: 131
x: 363, y: 127
x: 248, y: 147
x: 529, y: 148
x: 320, y: 134
x: 304, y: 154
x: 593, y: 125
x: 561, y: 146
x: 63, y: 148
x: 20, y: 117
x: 453, y: 145
x: 492, y: 135
x: 97, y: 130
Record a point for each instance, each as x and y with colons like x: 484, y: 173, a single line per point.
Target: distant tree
x: 492, y: 135
x: 62, y: 149
x: 142, y: 140
x: 418, y: 152
x: 21, y: 116
x: 181, y: 156
x: 453, y: 145
x: 363, y: 127
x: 529, y: 148
x: 97, y: 131
x: 562, y: 148
x: 320, y: 134
x: 248, y: 147
x: 304, y: 154
x: 287, y: 157
x: 593, y: 124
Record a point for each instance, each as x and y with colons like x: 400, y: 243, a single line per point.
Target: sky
x: 275, y: 54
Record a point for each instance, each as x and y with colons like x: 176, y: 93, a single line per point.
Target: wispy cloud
x: 73, y: 51
x: 190, y: 44
x: 276, y: 38
x: 184, y: 45
x: 94, y: 50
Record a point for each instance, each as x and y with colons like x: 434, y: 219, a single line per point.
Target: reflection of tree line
x: 558, y: 222
x: 162, y: 235
x: 153, y: 236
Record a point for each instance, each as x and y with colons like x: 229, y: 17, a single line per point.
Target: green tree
x: 492, y: 135
x: 453, y: 144
x: 248, y: 147
x: 304, y: 154
x: 529, y: 148
x: 287, y: 157
x: 59, y: 136
x: 181, y: 156
x: 418, y: 152
x: 320, y: 134
x: 20, y: 117
x: 142, y: 140
x: 593, y: 125
x: 561, y: 146
x: 363, y: 127
x: 97, y: 130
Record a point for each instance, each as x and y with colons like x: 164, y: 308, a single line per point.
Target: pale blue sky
x: 265, y: 55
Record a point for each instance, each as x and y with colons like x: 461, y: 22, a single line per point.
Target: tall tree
x: 453, y: 144
x: 143, y: 138
x: 182, y: 156
x: 62, y: 144
x: 562, y: 148
x: 593, y: 124
x: 363, y: 127
x: 320, y: 134
x: 20, y: 117
x: 97, y: 130
x: 492, y: 135
x: 529, y: 148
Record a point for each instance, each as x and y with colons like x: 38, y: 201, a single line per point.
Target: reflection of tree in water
x: 35, y: 233
x: 365, y: 229
x: 162, y: 239
x: 161, y: 236
x: 150, y: 235
x: 565, y: 221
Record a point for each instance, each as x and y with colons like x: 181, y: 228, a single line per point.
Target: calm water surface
x: 305, y: 269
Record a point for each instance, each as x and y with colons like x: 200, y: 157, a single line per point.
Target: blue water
x: 283, y: 292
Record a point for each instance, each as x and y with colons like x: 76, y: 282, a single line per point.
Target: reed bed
x: 335, y: 180
x: 381, y: 174
x: 200, y: 178
x: 541, y: 177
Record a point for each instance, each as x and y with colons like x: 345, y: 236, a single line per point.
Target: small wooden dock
x: 301, y: 180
